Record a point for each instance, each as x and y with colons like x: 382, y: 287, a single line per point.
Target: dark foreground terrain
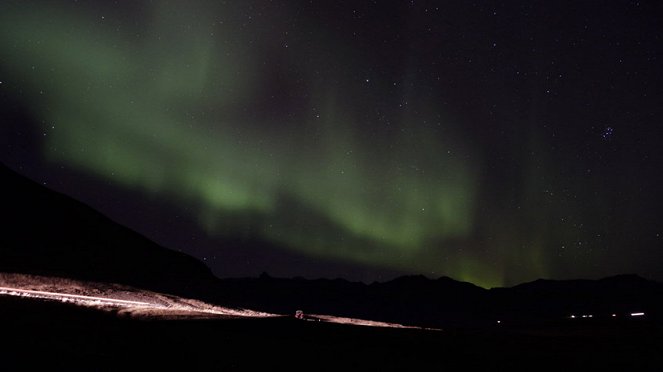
x: 65, y: 337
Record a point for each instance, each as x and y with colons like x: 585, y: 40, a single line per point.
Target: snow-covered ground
x: 133, y: 302
x: 361, y: 322
x: 112, y: 297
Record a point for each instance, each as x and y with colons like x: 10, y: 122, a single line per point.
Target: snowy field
x: 137, y: 303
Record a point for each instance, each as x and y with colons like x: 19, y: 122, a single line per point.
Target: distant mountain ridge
x: 49, y: 233
x: 445, y: 302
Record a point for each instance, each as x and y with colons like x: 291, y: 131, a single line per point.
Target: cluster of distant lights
x: 573, y: 316
x: 607, y: 133
x: 586, y: 316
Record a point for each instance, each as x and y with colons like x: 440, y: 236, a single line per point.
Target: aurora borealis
x: 490, y: 143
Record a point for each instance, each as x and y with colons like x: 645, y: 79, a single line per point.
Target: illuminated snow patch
x: 363, y: 322
x: 112, y: 297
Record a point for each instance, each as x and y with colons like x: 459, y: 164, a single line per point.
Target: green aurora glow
x: 179, y: 106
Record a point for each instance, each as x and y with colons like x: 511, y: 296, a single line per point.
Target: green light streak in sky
x: 165, y: 111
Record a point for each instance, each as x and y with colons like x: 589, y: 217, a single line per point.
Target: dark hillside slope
x: 49, y: 233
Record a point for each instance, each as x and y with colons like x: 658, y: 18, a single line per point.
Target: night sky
x: 492, y: 142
